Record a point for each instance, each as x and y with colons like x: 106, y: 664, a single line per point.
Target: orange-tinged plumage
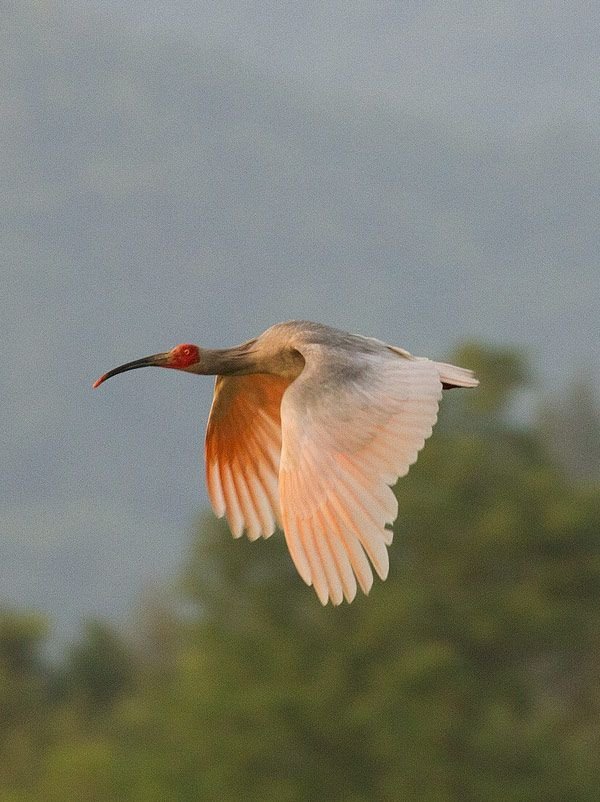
x: 242, y: 451
x: 308, y: 430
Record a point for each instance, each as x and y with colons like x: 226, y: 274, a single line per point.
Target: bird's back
x: 295, y: 333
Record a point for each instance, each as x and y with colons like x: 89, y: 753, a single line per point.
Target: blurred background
x: 425, y: 173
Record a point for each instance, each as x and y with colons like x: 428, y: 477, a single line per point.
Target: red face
x: 184, y: 355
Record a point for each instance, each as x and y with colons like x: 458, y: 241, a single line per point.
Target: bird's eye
x: 186, y: 351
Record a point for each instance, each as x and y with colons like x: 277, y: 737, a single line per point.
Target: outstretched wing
x: 242, y: 451
x: 351, y: 425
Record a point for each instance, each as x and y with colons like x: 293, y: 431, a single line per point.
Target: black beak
x: 156, y: 360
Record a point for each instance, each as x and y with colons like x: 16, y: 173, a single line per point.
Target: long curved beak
x: 156, y: 360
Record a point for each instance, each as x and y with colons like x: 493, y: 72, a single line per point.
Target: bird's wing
x: 351, y: 425
x: 242, y: 450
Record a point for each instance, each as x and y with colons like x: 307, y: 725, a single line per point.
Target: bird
x: 309, y: 429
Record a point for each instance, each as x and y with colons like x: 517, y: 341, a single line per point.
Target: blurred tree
x: 571, y: 427
x: 21, y: 639
x: 23, y: 680
x: 155, y: 633
x: 100, y: 667
x: 501, y: 370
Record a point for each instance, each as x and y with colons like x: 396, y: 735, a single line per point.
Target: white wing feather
x: 348, y: 432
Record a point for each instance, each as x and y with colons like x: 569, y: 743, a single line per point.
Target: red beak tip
x: 97, y: 383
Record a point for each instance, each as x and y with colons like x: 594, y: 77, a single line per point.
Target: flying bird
x: 309, y: 427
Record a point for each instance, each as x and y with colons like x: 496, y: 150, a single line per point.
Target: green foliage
x: 99, y: 668
x: 571, y: 427
x: 22, y: 695
x: 501, y: 370
x: 470, y: 674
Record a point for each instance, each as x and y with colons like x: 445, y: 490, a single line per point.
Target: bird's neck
x: 237, y: 361
x: 249, y: 357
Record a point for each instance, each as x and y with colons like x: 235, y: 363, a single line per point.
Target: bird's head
x: 183, y: 357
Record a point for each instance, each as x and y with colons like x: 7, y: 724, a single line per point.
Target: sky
x: 426, y: 173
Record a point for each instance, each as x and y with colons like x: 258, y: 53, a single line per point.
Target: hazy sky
x: 421, y: 172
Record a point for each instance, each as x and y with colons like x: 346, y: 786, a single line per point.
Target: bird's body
x: 309, y: 428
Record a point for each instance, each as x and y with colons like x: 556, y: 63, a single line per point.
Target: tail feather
x: 453, y: 376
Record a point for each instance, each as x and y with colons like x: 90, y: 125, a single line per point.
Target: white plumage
x: 309, y: 429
